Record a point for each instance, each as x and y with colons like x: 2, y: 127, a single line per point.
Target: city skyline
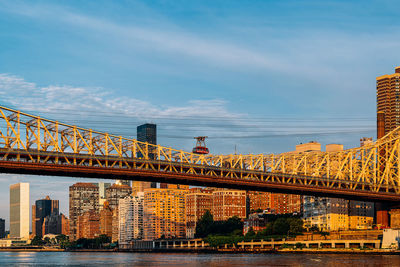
x: 259, y: 82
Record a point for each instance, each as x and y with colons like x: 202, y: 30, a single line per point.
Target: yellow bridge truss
x: 26, y: 138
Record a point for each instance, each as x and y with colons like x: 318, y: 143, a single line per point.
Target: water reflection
x: 183, y: 259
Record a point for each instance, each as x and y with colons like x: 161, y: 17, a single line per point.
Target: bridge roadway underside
x: 29, y: 168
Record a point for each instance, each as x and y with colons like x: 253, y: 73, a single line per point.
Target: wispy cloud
x: 211, y: 117
x: 28, y: 96
x: 163, y: 40
x: 323, y: 58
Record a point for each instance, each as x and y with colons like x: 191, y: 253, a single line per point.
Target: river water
x: 185, y: 259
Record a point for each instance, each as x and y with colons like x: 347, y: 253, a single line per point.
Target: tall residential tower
x: 388, y: 102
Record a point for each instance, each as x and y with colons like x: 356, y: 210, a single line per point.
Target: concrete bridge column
x: 173, y: 244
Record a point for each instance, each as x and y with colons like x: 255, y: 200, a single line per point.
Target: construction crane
x: 200, y: 147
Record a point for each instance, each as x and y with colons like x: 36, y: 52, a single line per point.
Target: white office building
x: 19, y: 211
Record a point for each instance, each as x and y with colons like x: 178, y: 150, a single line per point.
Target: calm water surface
x: 184, y: 259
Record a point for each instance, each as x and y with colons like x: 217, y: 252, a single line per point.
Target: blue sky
x: 259, y: 75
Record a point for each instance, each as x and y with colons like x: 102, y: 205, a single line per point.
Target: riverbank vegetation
x: 218, y: 233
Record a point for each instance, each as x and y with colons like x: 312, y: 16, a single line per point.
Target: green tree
x: 232, y: 224
x: 37, y: 241
x: 205, y: 225
x: 250, y: 234
x: 281, y: 227
x: 295, y: 225
x: 47, y: 240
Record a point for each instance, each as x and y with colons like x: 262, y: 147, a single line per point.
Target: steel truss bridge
x: 33, y: 145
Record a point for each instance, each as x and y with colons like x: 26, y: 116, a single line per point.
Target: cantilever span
x: 33, y: 145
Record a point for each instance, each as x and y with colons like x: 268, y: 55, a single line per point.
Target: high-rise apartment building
x: 43, y: 208
x: 19, y: 210
x: 88, y: 225
x: 83, y: 197
x: 131, y: 218
x: 388, y: 102
x: 138, y: 186
x: 197, y: 202
x: 2, y: 228
x: 229, y: 203
x: 106, y: 216
x: 116, y: 192
x: 148, y: 133
x: 164, y: 213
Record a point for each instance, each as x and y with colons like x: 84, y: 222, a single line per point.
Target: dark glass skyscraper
x: 43, y: 208
x: 148, y: 133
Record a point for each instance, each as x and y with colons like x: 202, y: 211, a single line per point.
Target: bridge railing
x: 374, y: 167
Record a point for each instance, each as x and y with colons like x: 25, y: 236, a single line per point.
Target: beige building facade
x: 19, y: 210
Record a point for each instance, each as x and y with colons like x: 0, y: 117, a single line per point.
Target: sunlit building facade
x: 83, y: 197
x: 198, y: 201
x: 19, y: 210
x: 334, y: 214
x: 388, y: 102
x: 131, y: 218
x: 88, y: 225
x: 229, y: 203
x: 106, y: 216
x: 164, y: 213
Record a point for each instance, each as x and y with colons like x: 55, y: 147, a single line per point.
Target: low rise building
x: 333, y: 214
x: 197, y: 202
x: 256, y: 221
